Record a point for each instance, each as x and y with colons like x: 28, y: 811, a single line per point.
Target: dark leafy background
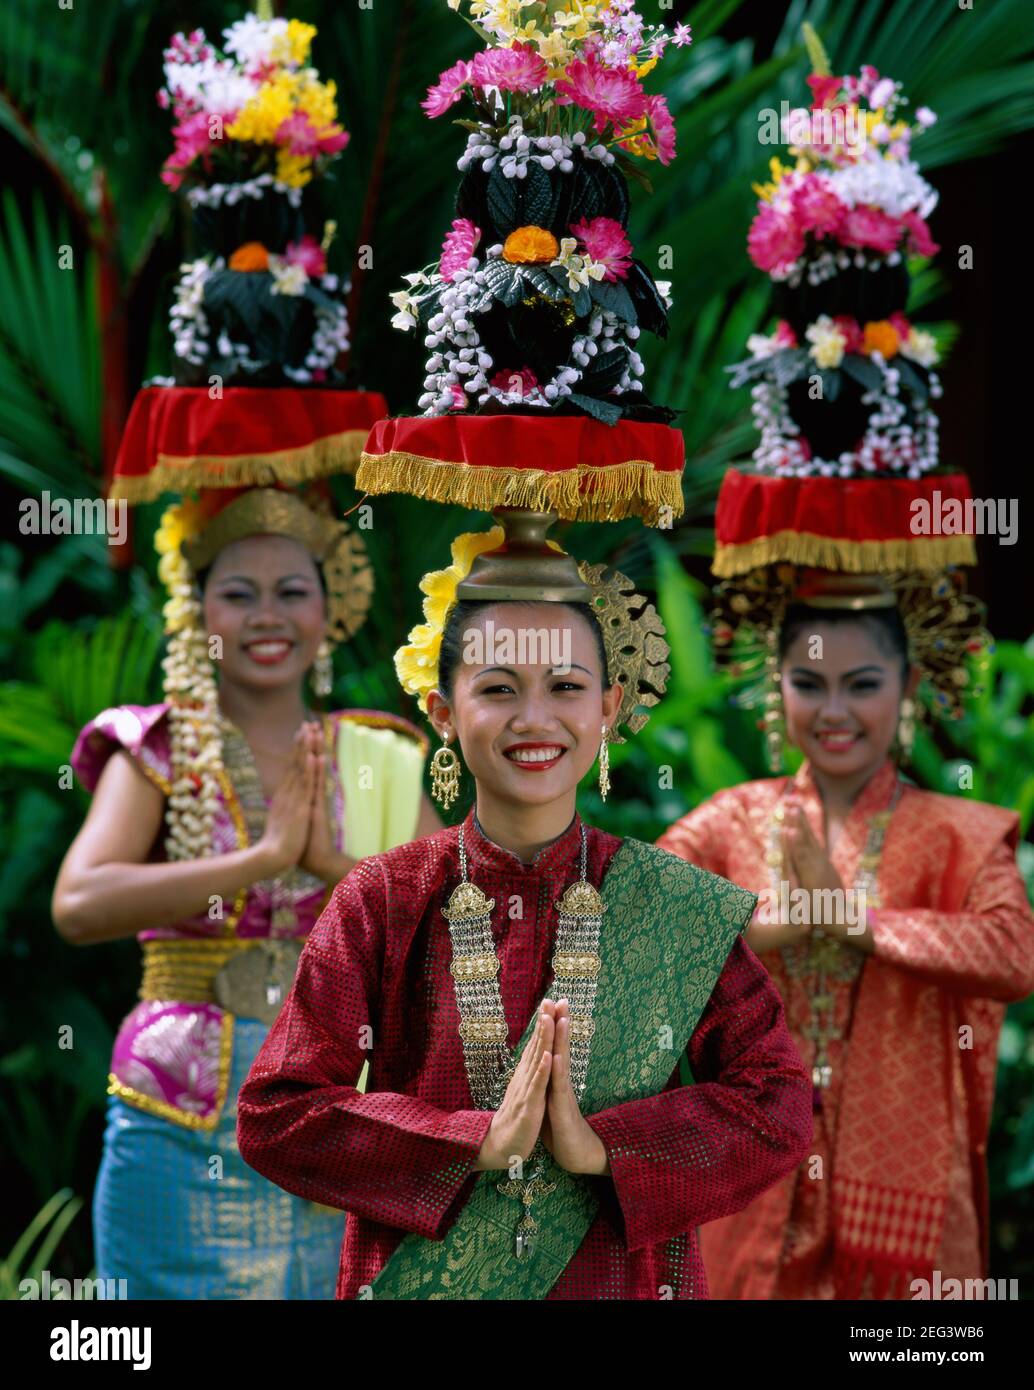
x: 82, y: 144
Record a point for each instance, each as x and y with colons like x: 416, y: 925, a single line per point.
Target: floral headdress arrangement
x: 189, y: 536
x: 254, y: 125
x: 833, y: 231
x: 537, y: 300
x: 633, y: 633
x: 943, y: 623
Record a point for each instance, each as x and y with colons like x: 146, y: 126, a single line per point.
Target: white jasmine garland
x: 890, y: 443
x: 515, y: 150
x: 231, y: 193
x: 191, y: 330
x: 459, y: 359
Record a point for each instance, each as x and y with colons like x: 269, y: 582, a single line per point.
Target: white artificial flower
x: 287, y: 278
x: 895, y: 185
x: 827, y: 342
x: 251, y: 38
x: 758, y: 345
x: 920, y: 346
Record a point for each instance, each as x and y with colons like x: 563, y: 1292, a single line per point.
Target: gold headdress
x: 190, y: 536
x: 943, y: 624
x: 514, y: 561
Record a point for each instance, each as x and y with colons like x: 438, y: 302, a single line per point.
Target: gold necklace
x: 475, y: 970
x: 822, y: 958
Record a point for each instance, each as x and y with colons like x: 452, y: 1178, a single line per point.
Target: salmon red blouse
x: 896, y: 1183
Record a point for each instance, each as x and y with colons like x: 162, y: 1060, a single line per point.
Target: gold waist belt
x: 249, y: 977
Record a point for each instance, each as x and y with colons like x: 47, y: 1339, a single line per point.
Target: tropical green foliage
x: 88, y: 248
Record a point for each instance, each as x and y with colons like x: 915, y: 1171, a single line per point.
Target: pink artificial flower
x: 614, y: 95
x: 824, y: 90
x: 458, y: 247
x: 774, y: 241
x: 302, y: 138
x: 784, y: 335
x: 871, y: 227
x: 192, y: 139
x: 851, y: 330
x: 516, y: 69
x: 604, y: 240
x: 448, y: 90
x: 900, y: 324
x: 309, y: 254
x: 816, y: 207
x: 869, y: 77
x: 509, y: 380
x: 459, y: 397
x: 920, y: 242
x: 299, y: 134
x: 662, y: 128
x: 334, y: 142
x: 683, y: 35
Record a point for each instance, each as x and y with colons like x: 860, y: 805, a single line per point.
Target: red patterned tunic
x: 896, y: 1182
x: 374, y: 982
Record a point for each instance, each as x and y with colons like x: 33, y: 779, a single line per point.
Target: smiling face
x: 528, y: 727
x: 842, y: 691
x: 263, y: 597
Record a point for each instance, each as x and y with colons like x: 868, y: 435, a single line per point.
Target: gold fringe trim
x: 186, y: 1118
x: 854, y: 557
x: 617, y: 490
x: 334, y: 453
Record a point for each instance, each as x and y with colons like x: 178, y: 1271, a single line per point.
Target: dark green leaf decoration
x: 502, y: 202
x: 599, y: 410
x: 604, y: 371
x: 551, y: 285
x: 612, y: 295
x: 539, y: 197
x: 788, y: 365
x: 831, y: 383
x: 863, y: 371
x: 582, y: 300
x: 914, y: 379
x: 651, y: 313
x: 504, y: 282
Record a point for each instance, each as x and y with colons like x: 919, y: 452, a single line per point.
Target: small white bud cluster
x: 515, y: 150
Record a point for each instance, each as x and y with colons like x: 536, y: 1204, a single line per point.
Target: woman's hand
x: 319, y: 854
x: 518, y: 1121
x: 290, y: 810
x: 806, y: 864
x: 566, y: 1134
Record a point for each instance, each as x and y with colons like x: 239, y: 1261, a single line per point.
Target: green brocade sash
x: 666, y: 934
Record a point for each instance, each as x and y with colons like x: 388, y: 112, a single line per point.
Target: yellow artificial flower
x: 530, y: 246
x: 261, y: 117
x: 293, y: 47
x: 416, y: 663
x: 766, y: 191
x: 295, y: 170
x: 641, y: 69
x: 319, y: 102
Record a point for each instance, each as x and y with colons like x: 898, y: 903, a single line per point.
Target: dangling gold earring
x: 604, y: 763
x: 445, y: 775
x: 323, y: 670
x: 906, y: 729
